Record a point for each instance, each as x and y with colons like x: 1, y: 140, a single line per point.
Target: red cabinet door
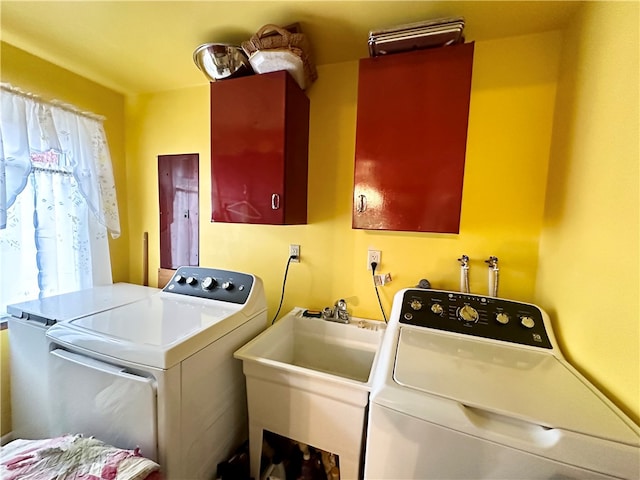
x: 411, y: 135
x: 259, y: 150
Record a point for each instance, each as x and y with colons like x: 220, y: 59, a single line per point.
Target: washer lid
x: 159, y: 331
x: 530, y: 385
x: 67, y: 306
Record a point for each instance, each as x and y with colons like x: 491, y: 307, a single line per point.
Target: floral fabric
x: 31, y: 129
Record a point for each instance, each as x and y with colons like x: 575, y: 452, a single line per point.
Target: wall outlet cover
x: 373, y: 256
x: 294, y: 251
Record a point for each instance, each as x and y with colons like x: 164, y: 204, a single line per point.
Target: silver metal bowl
x: 221, y: 60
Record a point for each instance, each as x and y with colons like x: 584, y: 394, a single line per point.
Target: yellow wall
x: 589, y: 256
x: 32, y: 74
x: 512, y: 104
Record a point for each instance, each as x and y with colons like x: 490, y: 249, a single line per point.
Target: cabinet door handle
x: 361, y: 204
x: 275, y: 201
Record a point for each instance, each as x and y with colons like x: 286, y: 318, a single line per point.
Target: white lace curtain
x: 57, y: 199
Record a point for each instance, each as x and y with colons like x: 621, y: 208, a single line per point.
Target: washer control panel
x: 475, y: 315
x: 211, y: 283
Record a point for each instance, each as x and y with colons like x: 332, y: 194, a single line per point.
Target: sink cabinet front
x: 411, y: 135
x: 259, y: 150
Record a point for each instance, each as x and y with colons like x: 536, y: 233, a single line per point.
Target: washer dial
x: 468, y: 314
x: 527, y: 322
x: 208, y: 283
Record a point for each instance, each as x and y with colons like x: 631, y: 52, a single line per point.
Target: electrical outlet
x: 373, y: 256
x: 294, y: 251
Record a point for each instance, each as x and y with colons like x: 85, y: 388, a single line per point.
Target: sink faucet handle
x: 341, y: 312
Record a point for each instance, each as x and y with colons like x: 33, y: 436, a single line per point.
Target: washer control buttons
x: 179, y: 279
x: 502, y: 318
x: 474, y: 315
x: 191, y: 280
x: 468, y: 314
x: 227, y: 285
x: 527, y: 322
x: 416, y: 304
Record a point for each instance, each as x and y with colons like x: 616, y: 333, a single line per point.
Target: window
x: 57, y: 199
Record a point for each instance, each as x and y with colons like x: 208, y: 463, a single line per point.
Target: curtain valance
x: 38, y: 134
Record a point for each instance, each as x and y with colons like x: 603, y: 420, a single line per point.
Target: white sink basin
x: 299, y: 343
x: 309, y: 379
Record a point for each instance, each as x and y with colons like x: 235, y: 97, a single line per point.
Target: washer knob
x: 437, y: 309
x: 502, y: 318
x: 227, y: 285
x: 416, y: 304
x: 468, y: 314
x: 208, y: 283
x: 191, y: 280
x: 179, y: 279
x: 527, y: 322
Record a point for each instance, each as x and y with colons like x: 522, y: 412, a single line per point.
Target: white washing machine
x: 159, y: 374
x: 476, y: 387
x: 29, y: 352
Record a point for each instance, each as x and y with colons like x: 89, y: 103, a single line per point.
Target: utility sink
x: 309, y: 379
x: 318, y: 346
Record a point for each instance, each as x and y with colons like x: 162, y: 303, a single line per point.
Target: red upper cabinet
x: 259, y: 150
x: 411, y: 136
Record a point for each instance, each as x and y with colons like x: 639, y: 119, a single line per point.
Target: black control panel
x: 475, y: 315
x: 211, y: 283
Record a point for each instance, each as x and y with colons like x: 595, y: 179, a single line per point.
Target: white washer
x: 159, y: 374
x: 29, y: 353
x: 476, y: 387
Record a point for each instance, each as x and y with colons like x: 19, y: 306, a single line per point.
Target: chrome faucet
x: 464, y: 274
x: 338, y: 313
x: 493, y: 275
